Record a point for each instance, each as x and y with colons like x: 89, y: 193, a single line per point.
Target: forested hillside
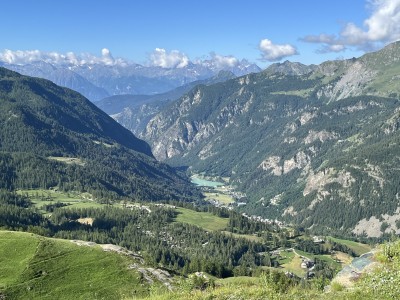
x: 54, y: 137
x: 135, y: 111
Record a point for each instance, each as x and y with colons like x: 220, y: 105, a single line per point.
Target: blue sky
x: 309, y: 31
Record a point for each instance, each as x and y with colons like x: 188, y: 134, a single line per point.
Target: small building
x: 306, y: 264
x: 318, y: 239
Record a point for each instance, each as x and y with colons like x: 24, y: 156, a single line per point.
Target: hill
x: 316, y: 149
x: 34, y: 267
x: 54, y: 137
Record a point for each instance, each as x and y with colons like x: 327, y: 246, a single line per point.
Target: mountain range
x: 313, y: 145
x: 53, y: 137
x: 97, y: 80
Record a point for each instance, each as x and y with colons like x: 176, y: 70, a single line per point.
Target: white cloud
x: 29, y: 56
x: 17, y: 57
x: 173, y: 59
x: 382, y: 27
x: 221, y: 61
x: 275, y: 52
x: 159, y: 57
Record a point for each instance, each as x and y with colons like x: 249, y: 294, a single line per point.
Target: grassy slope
x: 219, y: 196
x: 291, y: 262
x: 33, y: 267
x: 358, y: 248
x: 294, y: 266
x: 16, y: 250
x: 204, y: 220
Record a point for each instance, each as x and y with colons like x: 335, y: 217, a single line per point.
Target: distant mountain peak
x: 102, y: 76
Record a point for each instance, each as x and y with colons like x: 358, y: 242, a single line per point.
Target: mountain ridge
x: 134, y: 111
x: 297, y: 135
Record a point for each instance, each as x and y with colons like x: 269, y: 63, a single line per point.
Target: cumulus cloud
x: 29, y: 56
x: 221, y: 61
x: 159, y: 57
x: 275, y: 52
x: 382, y: 27
x: 173, y: 59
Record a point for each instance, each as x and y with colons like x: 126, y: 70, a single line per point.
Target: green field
x: 291, y: 261
x: 220, y: 197
x: 286, y: 257
x: 358, y: 248
x: 325, y: 257
x: 204, y: 220
x: 44, y: 197
x: 34, y: 267
x: 294, y: 265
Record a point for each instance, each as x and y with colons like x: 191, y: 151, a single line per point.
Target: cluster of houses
x: 147, y: 208
x: 263, y: 220
x: 307, y: 263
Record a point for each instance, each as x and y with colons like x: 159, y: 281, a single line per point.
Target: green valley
x: 281, y: 184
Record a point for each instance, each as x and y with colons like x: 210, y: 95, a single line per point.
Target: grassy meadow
x: 204, y: 220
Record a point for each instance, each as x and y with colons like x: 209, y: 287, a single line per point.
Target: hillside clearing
x: 204, y: 220
x: 358, y: 248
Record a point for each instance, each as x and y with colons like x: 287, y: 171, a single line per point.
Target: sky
x: 173, y: 33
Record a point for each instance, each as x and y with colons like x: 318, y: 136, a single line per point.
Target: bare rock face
x: 272, y: 163
x: 279, y: 166
x: 353, y: 81
x: 307, y: 117
x: 319, y: 135
x: 372, y: 227
x: 318, y: 181
x: 354, y: 77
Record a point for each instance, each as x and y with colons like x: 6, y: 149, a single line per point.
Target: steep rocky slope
x: 135, y: 111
